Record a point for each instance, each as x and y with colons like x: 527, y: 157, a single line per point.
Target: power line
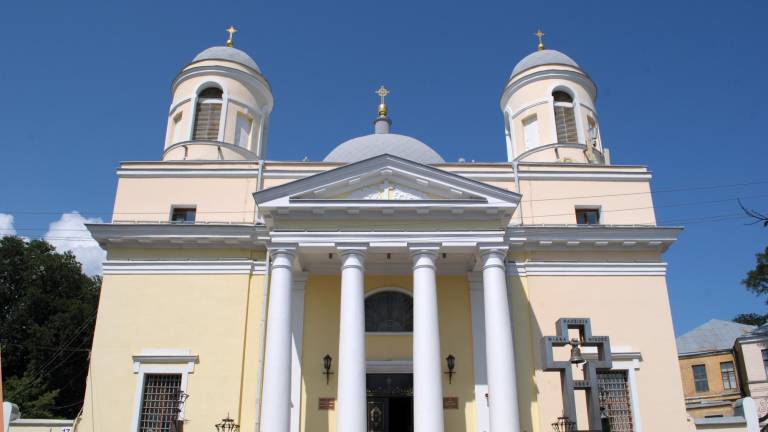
x: 671, y: 190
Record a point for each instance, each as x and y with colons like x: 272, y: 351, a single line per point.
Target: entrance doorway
x: 390, y: 402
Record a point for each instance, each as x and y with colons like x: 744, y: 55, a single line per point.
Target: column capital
x: 282, y: 255
x: 424, y: 254
x: 492, y: 248
x: 493, y: 255
x: 282, y: 248
x: 352, y: 255
x: 352, y: 248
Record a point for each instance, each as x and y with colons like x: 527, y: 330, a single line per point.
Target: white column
x: 352, y: 397
x: 499, y: 346
x: 427, y: 362
x: 276, y: 392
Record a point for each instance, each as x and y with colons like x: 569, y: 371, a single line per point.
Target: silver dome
x: 228, y: 54
x: 543, y: 57
x: 368, y: 146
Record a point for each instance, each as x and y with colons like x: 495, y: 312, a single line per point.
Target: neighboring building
x: 330, y: 295
x: 12, y: 422
x: 708, y: 368
x: 752, y: 357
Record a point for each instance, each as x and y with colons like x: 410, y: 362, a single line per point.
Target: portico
x: 427, y: 358
x: 470, y: 217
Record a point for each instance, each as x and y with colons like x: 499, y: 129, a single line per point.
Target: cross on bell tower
x: 231, y: 30
x: 540, y: 34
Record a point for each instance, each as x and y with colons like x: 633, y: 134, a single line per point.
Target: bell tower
x: 220, y: 108
x: 549, y: 111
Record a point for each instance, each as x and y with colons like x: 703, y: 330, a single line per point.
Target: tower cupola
x: 220, y: 108
x: 549, y: 110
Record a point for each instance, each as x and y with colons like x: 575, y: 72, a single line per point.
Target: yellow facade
x: 717, y: 392
x: 193, y: 298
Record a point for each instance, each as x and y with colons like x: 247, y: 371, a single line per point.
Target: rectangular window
x: 160, y: 402
x: 243, y: 131
x: 700, y: 378
x: 765, y: 361
x: 183, y: 215
x: 729, y: 375
x: 614, y: 396
x: 531, y: 132
x: 586, y: 216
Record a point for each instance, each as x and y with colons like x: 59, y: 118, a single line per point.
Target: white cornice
x: 153, y: 235
x: 564, y: 268
x: 586, y: 175
x: 186, y: 173
x: 131, y: 267
x: 592, y: 237
x: 167, y: 357
x: 328, y: 240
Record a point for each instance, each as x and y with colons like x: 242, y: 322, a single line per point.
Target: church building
x: 383, y: 289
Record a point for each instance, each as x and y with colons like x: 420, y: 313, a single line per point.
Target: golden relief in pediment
x: 386, y: 191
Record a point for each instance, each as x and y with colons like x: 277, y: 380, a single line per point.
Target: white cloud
x: 69, y: 234
x: 6, y: 225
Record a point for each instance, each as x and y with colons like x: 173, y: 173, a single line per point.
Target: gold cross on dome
x: 231, y: 30
x: 382, y: 92
x: 540, y: 34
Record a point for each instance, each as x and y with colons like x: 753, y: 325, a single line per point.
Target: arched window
x: 565, y: 120
x: 208, y: 114
x: 389, y: 311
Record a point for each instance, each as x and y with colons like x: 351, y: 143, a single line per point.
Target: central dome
x: 376, y: 144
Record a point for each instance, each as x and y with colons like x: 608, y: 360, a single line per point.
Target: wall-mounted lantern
x: 327, y: 361
x: 451, y: 363
x: 227, y: 425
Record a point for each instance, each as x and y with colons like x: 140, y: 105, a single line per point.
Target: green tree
x: 47, y: 314
x: 757, y: 279
x: 751, y: 319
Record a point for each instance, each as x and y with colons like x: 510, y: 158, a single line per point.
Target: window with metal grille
x: 565, y: 119
x: 700, y: 378
x: 587, y: 216
x: 729, y: 375
x: 615, y: 399
x: 208, y: 114
x: 160, y: 403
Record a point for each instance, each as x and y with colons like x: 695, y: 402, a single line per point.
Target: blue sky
x: 86, y: 85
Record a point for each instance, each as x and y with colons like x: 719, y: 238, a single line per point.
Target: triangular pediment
x: 384, y: 184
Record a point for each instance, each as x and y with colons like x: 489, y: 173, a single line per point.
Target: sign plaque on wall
x: 326, y: 403
x: 451, y: 402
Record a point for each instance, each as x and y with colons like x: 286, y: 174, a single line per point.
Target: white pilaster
x: 499, y: 346
x: 427, y: 364
x: 352, y: 397
x: 478, y: 350
x: 276, y: 392
x: 297, y: 330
